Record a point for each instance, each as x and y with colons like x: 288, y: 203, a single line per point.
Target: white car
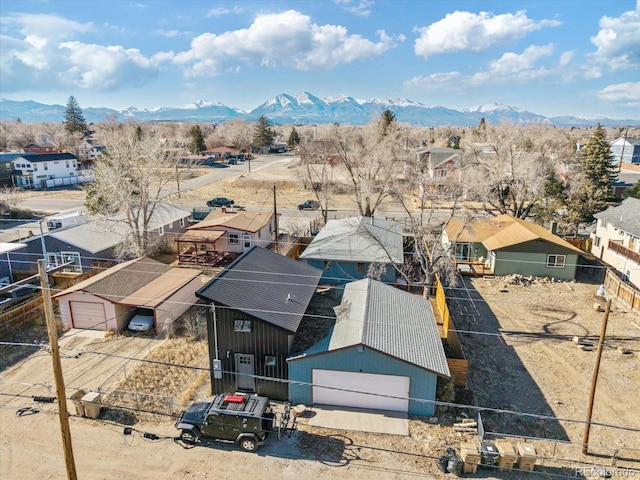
x: 143, y: 320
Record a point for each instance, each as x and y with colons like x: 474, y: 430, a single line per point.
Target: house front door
x: 245, y: 371
x: 246, y: 242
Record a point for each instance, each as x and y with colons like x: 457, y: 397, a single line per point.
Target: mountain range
x: 306, y: 108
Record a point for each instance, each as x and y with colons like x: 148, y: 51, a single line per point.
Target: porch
x: 199, y: 248
x: 472, y: 268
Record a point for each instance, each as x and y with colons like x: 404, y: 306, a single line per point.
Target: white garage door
x: 89, y: 315
x: 366, y: 390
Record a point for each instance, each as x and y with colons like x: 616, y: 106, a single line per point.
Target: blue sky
x: 549, y: 57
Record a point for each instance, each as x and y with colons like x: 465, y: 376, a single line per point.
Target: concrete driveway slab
x: 356, y: 419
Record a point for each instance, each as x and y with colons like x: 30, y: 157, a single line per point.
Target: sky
x: 571, y: 57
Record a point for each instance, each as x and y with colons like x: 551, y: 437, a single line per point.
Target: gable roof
x: 390, y: 321
x: 268, y: 286
x: 501, y: 232
x: 103, y: 233
x: 245, y: 221
x: 47, y: 157
x: 358, y: 239
x: 625, y: 217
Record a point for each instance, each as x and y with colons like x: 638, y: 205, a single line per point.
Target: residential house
x: 383, y: 352
x: 345, y: 249
x: 7, y: 168
x: 48, y: 170
x: 40, y: 148
x: 616, y: 240
x: 626, y: 151
x: 257, y: 304
x: 223, y: 235
x: 88, y: 151
x: 96, y: 239
x: 441, y: 169
x: 108, y: 300
x: 506, y: 245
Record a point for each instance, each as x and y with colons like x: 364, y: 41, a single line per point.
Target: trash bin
x: 508, y: 455
x: 75, y: 398
x: 489, y: 453
x: 527, y: 460
x: 470, y: 457
x: 91, y: 403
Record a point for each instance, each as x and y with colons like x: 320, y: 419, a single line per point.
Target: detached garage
x: 107, y: 300
x: 383, y: 353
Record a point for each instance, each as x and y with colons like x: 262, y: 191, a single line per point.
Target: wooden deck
x: 472, y: 269
x: 206, y: 259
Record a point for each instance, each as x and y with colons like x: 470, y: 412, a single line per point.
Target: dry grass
x: 154, y: 389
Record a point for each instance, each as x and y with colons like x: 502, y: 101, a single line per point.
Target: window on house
x: 243, y: 326
x: 56, y: 163
x: 596, y: 241
x: 360, y: 267
x: 463, y: 251
x: 603, y: 224
x: 633, y: 241
x: 234, y: 239
x: 67, y: 163
x: 74, y: 257
x: 270, y: 361
x: 182, y: 223
x: 46, y: 167
x: 556, y: 261
x: 161, y: 230
x: 35, y: 168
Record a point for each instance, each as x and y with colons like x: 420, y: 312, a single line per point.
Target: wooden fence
x: 33, y: 309
x: 458, y: 364
x: 621, y: 290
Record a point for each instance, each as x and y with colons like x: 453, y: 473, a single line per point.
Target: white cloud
x: 172, y: 33
x: 41, y: 54
x: 474, y: 32
x: 625, y: 94
x: 508, y: 69
x: 618, y: 41
x: 361, y: 8
x: 221, y: 11
x: 289, y: 39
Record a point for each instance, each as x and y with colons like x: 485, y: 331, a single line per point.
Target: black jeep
x: 240, y: 418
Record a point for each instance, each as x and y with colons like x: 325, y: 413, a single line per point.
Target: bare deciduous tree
x: 134, y: 176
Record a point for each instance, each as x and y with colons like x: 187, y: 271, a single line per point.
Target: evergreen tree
x: 387, y: 118
x: 263, y: 134
x: 294, y: 138
x: 197, y: 140
x: 599, y: 173
x: 74, y: 121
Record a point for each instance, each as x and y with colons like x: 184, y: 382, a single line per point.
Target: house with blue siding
x: 384, y: 352
x: 345, y: 249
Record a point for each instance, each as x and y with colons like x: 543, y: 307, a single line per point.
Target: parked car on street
x: 309, y: 205
x: 220, y: 202
x: 244, y: 419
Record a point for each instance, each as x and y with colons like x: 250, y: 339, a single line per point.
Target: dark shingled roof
x: 268, y: 286
x: 47, y: 157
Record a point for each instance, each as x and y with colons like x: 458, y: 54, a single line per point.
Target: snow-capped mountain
x: 306, y: 108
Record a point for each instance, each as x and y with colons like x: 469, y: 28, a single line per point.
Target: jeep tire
x: 248, y: 444
x: 189, y: 437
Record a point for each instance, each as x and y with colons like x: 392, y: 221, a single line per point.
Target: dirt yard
x: 525, y: 360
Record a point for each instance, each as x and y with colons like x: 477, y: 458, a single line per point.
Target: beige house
x: 107, y: 300
x: 616, y: 240
x: 223, y: 235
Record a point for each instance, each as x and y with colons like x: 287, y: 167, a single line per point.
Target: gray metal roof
x: 357, y: 239
x: 106, y: 232
x: 625, y: 216
x: 389, y: 320
x: 268, y: 286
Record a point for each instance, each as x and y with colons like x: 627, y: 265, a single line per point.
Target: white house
x: 89, y: 151
x: 616, y: 240
x: 48, y: 170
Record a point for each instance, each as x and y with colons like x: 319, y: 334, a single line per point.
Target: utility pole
x: 57, y: 371
x: 275, y: 215
x: 594, y: 379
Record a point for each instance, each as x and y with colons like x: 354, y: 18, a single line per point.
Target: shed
x: 384, y: 352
